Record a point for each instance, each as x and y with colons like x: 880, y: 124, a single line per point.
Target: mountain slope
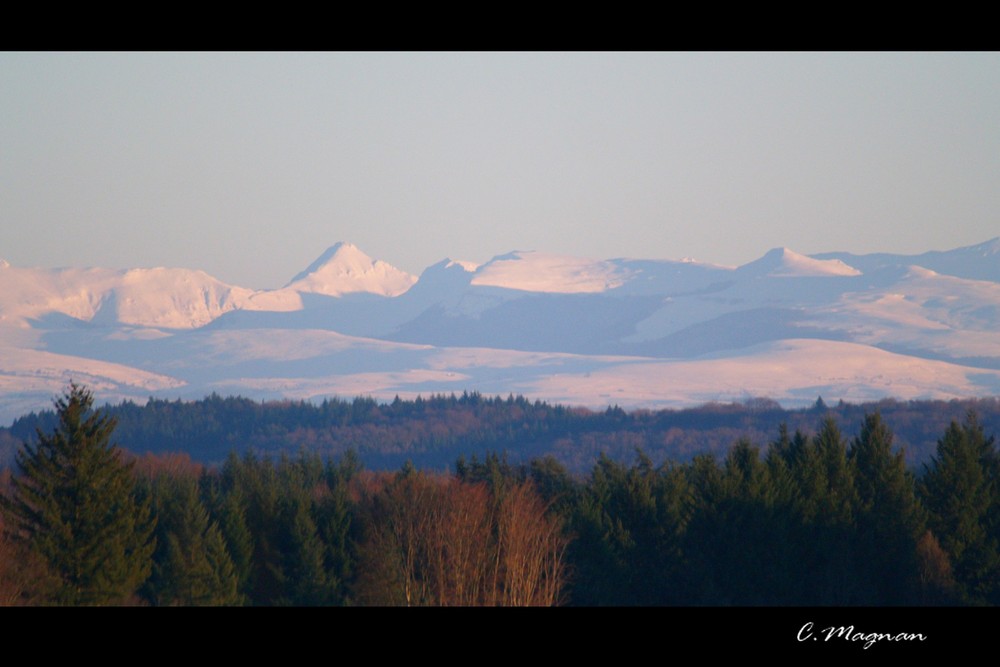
x: 975, y: 262
x: 636, y: 332
x: 160, y: 297
x: 785, y: 263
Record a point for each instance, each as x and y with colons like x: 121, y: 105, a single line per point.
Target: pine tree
x: 74, y: 506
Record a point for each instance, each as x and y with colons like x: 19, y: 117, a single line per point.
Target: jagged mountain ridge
x: 637, y: 332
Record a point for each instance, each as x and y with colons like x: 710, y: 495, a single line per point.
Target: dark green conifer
x: 959, y: 490
x: 627, y: 534
x: 192, y: 563
x: 838, y: 499
x: 228, y: 508
x: 302, y: 567
x: 890, y: 520
x: 74, y: 505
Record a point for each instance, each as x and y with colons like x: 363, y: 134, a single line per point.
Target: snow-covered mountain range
x: 594, y: 332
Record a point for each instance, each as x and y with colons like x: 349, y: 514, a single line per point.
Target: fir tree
x: 960, y: 492
x: 228, y: 508
x: 837, y: 499
x: 890, y: 519
x: 192, y: 565
x: 301, y: 566
x: 74, y: 506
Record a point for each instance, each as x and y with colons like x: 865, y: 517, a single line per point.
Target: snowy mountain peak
x: 340, y: 253
x: 344, y: 269
x: 785, y: 263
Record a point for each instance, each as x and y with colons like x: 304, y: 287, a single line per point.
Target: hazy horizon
x: 248, y: 165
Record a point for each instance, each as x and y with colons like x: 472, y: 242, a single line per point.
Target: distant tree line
x: 433, y: 432
x: 809, y: 519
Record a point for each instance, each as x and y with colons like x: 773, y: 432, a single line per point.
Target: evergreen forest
x: 809, y: 516
x: 433, y: 432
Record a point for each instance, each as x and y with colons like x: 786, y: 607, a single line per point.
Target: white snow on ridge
x: 924, y: 310
x: 27, y: 293
x: 159, y: 297
x: 21, y: 366
x: 469, y: 267
x: 532, y: 271
x: 278, y: 300
x: 174, y: 298
x: 793, y: 372
x: 31, y: 379
x: 285, y: 345
x: 785, y: 263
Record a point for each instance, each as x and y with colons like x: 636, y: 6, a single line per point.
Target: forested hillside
x: 433, y: 432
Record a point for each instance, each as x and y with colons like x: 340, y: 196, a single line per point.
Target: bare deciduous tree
x: 532, y: 549
x: 435, y: 540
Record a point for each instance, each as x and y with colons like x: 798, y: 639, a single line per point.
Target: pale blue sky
x: 248, y: 165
